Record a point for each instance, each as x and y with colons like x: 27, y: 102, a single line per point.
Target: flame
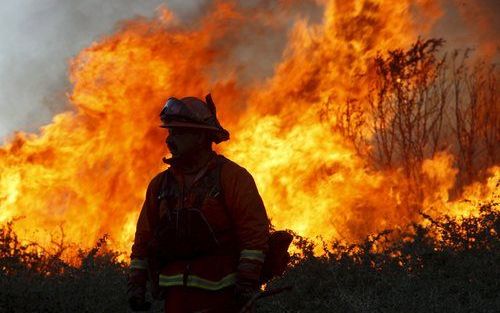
x: 87, y: 170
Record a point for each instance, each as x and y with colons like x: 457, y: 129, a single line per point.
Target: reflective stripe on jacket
x: 139, y: 264
x: 256, y: 255
x: 197, y: 282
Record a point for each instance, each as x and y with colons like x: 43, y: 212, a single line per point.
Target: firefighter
x: 203, y: 232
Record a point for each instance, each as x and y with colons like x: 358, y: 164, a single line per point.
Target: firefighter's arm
x: 146, y: 224
x: 251, y: 226
x: 136, y: 286
x: 143, y: 233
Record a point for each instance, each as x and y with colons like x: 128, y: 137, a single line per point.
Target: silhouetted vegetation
x: 421, y: 102
x: 449, y: 265
x: 33, y: 280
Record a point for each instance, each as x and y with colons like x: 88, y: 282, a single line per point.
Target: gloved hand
x: 136, y: 290
x: 247, y: 280
x: 243, y: 292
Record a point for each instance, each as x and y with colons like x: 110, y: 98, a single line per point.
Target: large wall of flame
x: 89, y: 168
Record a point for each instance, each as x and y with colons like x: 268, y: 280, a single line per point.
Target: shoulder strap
x: 168, y: 187
x: 164, y: 182
x: 213, y: 182
x: 217, y: 176
x: 218, y: 172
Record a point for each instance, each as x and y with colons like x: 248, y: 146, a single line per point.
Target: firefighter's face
x: 183, y: 142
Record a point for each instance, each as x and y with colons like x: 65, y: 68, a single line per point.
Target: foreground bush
x: 448, y: 266
x: 33, y: 281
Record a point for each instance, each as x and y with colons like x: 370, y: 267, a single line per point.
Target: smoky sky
x: 37, y: 40
x: 39, y: 37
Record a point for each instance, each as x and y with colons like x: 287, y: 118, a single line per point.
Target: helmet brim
x: 188, y: 125
x: 220, y: 134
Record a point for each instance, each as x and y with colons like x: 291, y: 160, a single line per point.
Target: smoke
x: 482, y: 18
x: 37, y: 40
x: 470, y: 24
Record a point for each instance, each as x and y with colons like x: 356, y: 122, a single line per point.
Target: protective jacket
x: 198, y: 236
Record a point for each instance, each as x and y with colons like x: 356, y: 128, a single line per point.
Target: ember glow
x: 87, y: 171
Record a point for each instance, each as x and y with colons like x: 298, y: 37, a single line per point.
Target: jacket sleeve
x: 247, y: 213
x: 146, y: 225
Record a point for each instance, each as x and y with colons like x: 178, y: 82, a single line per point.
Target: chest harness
x: 184, y: 230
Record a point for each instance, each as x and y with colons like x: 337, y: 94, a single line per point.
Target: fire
x: 87, y: 171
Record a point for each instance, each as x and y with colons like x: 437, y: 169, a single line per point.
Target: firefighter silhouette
x: 203, y: 232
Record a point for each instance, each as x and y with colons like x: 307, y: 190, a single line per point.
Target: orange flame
x: 89, y: 168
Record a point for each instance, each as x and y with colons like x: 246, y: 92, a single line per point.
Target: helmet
x: 194, y: 113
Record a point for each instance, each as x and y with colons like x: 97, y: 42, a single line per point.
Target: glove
x: 243, y: 293
x: 247, y: 280
x: 136, y: 290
